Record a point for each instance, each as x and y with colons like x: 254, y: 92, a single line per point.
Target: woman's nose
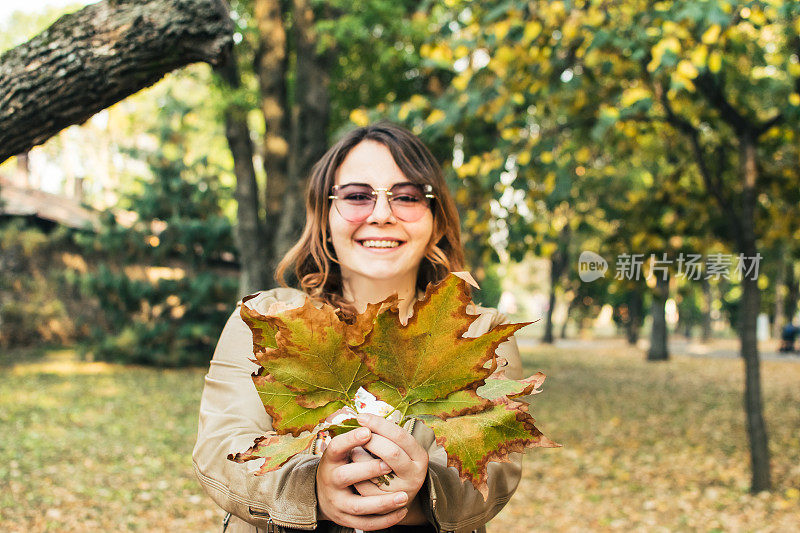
x: 382, y: 212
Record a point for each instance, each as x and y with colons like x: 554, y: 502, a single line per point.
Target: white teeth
x: 380, y: 244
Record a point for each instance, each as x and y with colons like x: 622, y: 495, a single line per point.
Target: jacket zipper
x: 271, y: 522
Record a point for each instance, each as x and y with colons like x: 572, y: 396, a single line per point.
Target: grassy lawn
x: 96, y: 447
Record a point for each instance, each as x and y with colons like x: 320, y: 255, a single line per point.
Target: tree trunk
x: 271, y: 66
x: 708, y: 302
x: 548, y: 321
x: 570, y: 307
x: 249, y: 232
x: 658, y: 334
x: 792, y: 294
x: 558, y: 262
x: 93, y: 58
x: 780, y: 293
x: 750, y: 307
x: 309, y: 124
x: 634, y: 323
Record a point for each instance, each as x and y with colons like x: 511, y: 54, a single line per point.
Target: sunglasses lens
x: 409, y: 202
x: 355, y: 202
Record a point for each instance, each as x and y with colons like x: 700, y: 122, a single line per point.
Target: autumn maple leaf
x: 309, y: 368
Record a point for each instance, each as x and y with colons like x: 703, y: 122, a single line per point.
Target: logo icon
x: 591, y: 266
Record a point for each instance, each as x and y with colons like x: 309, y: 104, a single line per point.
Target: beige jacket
x: 232, y: 416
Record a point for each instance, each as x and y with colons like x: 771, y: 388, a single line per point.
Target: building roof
x: 24, y: 201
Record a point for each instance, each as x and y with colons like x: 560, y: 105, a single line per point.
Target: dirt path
x: 717, y: 348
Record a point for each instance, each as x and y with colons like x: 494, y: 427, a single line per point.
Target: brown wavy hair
x: 313, y: 257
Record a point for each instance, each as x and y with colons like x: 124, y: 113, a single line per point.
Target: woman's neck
x: 363, y: 291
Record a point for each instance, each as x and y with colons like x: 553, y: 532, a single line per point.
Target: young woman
x: 380, y: 221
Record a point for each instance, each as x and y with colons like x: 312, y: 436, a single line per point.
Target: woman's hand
x: 407, y: 459
x: 336, y: 474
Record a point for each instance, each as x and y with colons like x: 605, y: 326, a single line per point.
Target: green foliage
x: 491, y: 287
x: 160, y: 277
x: 21, y: 26
x: 33, y: 306
x: 576, y: 114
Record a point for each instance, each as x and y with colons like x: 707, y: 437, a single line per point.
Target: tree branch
x: 712, y: 181
x: 709, y: 85
x: 93, y: 58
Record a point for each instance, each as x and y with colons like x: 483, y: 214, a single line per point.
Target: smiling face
x: 382, y: 248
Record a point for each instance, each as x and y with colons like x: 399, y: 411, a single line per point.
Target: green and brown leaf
x: 275, y: 449
x: 471, y: 441
x: 429, y: 358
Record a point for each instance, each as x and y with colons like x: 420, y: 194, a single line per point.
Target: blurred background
x: 627, y: 176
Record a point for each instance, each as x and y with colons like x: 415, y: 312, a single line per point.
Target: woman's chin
x: 383, y: 272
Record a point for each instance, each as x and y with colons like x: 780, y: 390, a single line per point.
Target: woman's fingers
x: 338, y: 449
x: 359, y: 454
x: 373, y: 523
x: 337, y: 455
x: 394, y: 433
x: 349, y: 474
x: 390, y: 452
x: 368, y: 488
x: 379, y: 504
x: 370, y: 512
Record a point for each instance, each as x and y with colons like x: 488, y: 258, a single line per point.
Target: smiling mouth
x: 378, y: 243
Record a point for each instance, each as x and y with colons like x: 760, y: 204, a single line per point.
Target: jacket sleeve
x: 231, y: 418
x: 453, y: 505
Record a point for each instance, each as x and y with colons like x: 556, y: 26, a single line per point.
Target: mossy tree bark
x: 93, y: 58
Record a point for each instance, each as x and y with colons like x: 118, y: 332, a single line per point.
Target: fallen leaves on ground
x: 654, y: 446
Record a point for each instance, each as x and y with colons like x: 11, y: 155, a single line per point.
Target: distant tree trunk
x: 738, y: 201
x: 551, y: 304
x: 572, y: 303
x: 658, y: 334
x: 793, y: 291
x: 271, y: 65
x: 93, y: 58
x: 708, y: 302
x: 249, y: 232
x: 558, y: 263
x: 780, y: 294
x: 750, y: 307
x: 634, y: 323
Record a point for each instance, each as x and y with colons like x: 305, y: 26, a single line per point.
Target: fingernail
x: 401, y: 497
x: 362, y: 419
x: 384, y: 468
x: 362, y: 433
